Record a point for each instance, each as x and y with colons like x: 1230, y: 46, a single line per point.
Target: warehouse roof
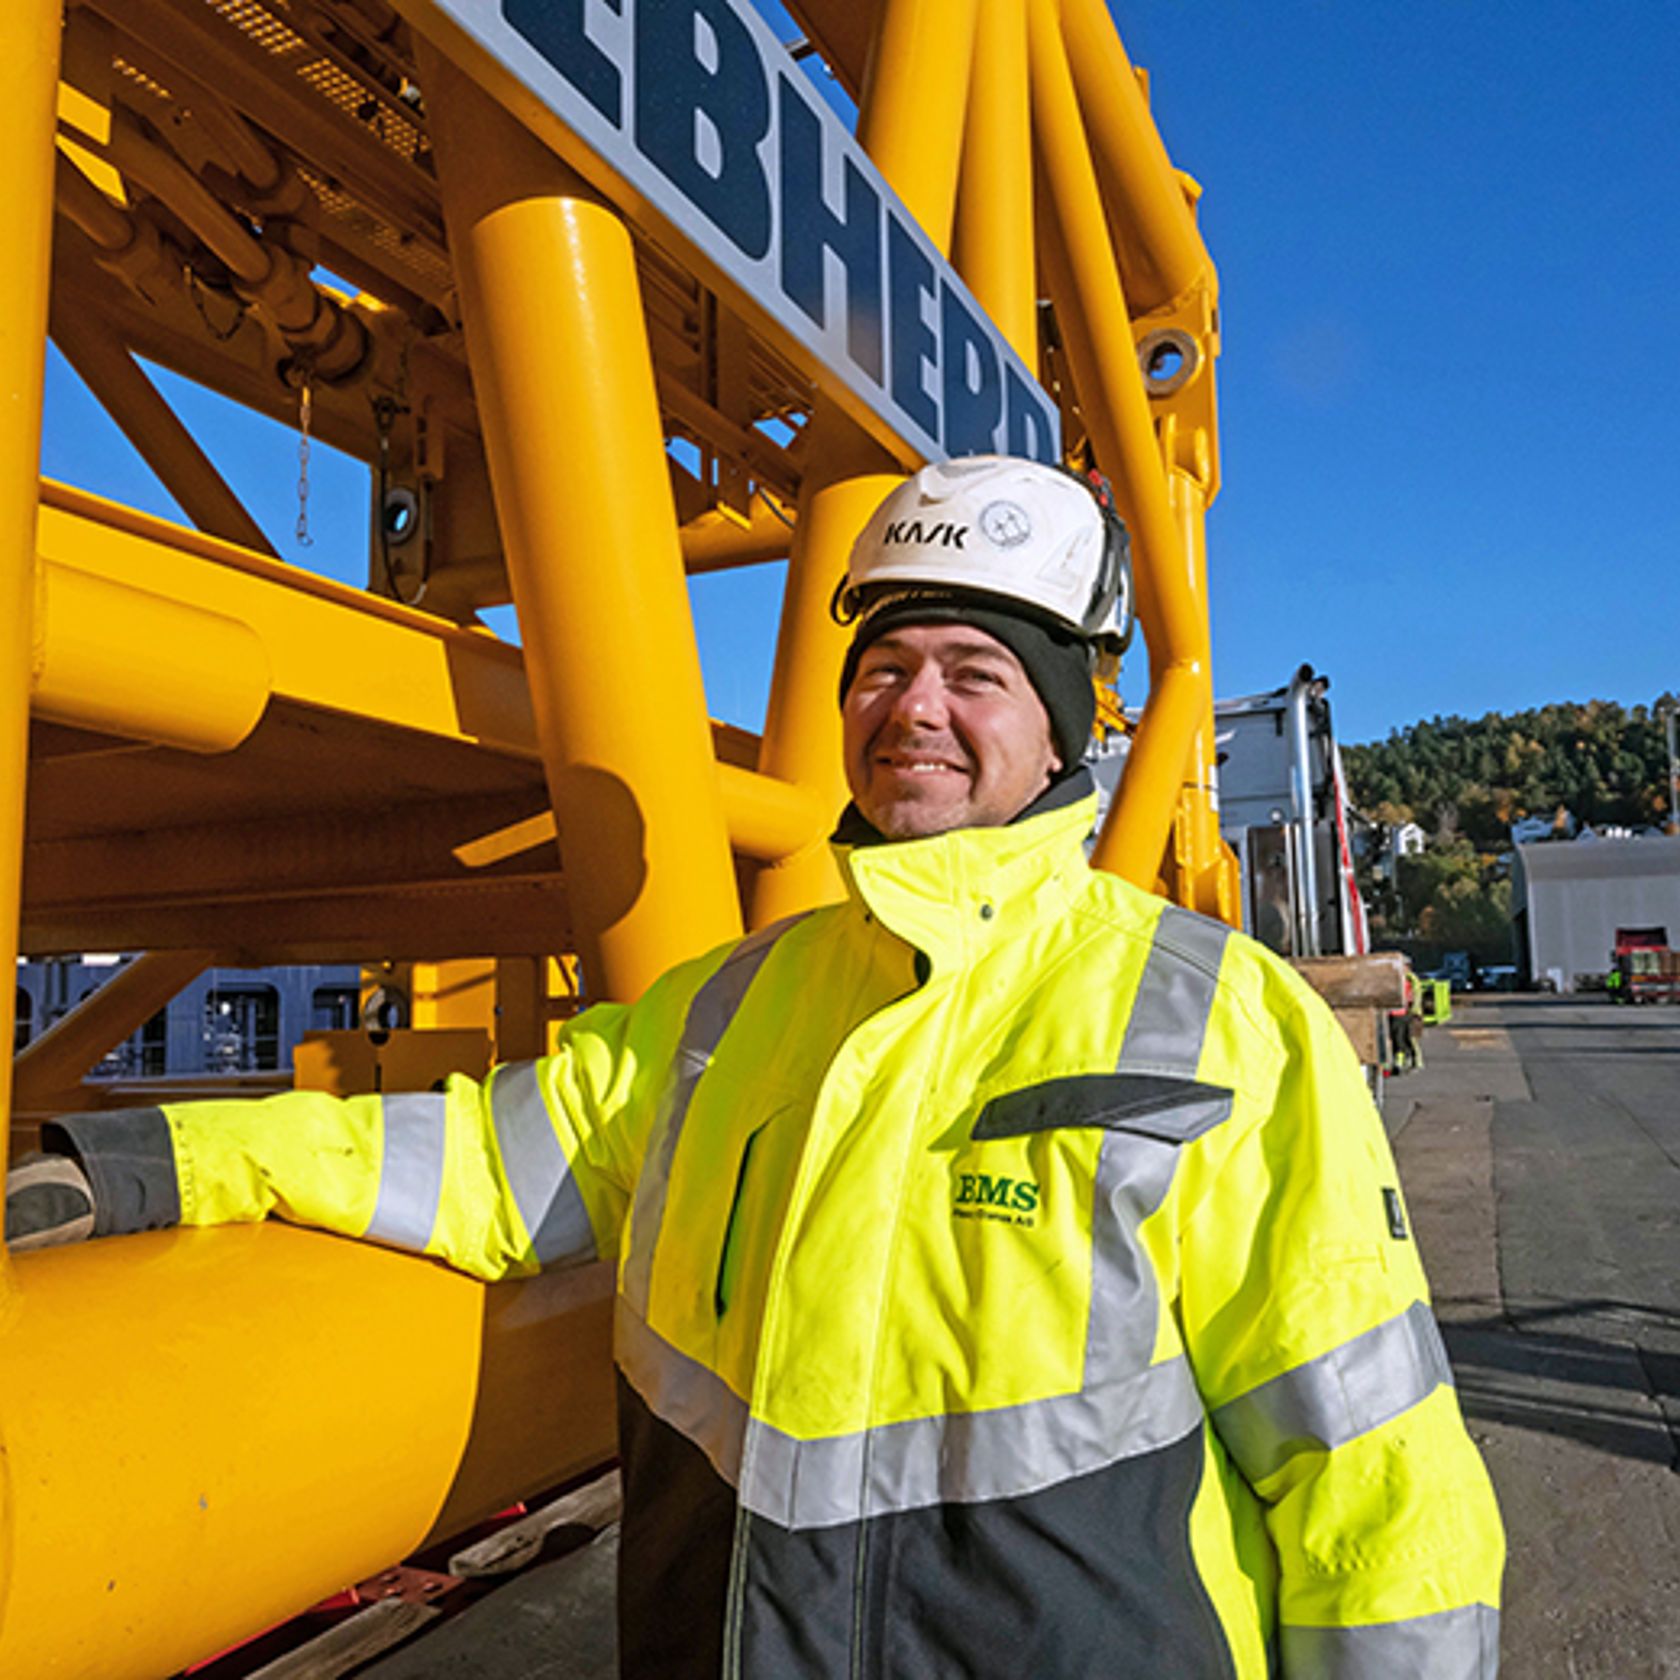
x: 1599, y: 860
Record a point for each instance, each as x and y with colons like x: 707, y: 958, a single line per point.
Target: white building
x: 1568, y: 901
x: 1404, y: 840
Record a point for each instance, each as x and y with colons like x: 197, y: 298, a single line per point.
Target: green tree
x: 1603, y: 762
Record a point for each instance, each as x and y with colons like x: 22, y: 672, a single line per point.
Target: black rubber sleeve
x: 129, y: 1158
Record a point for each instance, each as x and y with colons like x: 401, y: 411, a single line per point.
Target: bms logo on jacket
x: 1010, y: 1201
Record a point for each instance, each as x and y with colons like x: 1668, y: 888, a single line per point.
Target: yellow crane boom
x: 603, y: 301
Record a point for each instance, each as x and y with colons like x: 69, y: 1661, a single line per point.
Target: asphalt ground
x: 1539, y: 1146
x: 1540, y: 1151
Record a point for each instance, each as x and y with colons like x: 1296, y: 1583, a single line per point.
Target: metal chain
x: 305, y: 399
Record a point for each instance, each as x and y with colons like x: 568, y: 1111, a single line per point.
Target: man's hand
x: 48, y: 1201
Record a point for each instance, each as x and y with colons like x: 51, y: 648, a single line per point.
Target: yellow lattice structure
x: 579, y: 370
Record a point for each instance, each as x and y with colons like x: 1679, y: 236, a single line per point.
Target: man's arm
x: 1308, y: 1321
x: 531, y: 1167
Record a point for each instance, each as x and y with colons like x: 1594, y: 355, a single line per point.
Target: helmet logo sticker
x: 1006, y: 524
x: 946, y: 533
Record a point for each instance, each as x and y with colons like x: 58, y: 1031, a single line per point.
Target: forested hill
x: 1602, y: 762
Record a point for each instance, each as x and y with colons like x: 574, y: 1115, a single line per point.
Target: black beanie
x: 1057, y: 661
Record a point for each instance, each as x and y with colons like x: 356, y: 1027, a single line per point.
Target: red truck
x: 1643, y: 969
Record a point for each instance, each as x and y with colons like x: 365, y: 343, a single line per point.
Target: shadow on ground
x: 1532, y: 1372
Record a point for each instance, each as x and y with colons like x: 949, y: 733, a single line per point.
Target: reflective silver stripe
x: 966, y: 1458
x: 538, y: 1173
x: 710, y: 1012
x: 1451, y: 1645
x: 958, y: 1458
x: 1175, y: 996
x: 1337, y: 1397
x: 1134, y: 1172
x: 680, y: 1391
x: 410, y: 1170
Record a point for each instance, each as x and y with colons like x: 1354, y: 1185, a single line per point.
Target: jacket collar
x: 855, y: 829
x: 950, y: 895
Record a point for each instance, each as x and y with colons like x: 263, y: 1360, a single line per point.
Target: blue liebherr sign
x: 697, y: 109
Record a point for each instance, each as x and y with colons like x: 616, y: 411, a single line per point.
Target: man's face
x: 943, y: 729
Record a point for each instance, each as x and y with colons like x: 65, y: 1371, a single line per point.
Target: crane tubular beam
x: 29, y: 46
x: 251, y: 1487
x: 325, y: 644
x: 1091, y: 308
x: 1159, y: 246
x: 915, y: 97
x: 559, y: 351
x: 237, y: 627
x: 771, y: 818
x: 802, y: 726
x: 714, y: 542
x: 152, y: 426
x: 166, y: 178
x: 129, y: 662
x: 1209, y: 878
x: 995, y: 207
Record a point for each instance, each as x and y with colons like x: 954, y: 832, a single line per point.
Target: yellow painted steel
x: 150, y: 424
x: 991, y: 247
x: 286, y: 1413
x: 771, y: 819
x: 802, y: 726
x: 559, y: 352
x: 715, y: 541
x: 768, y: 821
x: 910, y: 119
x: 202, y: 1432
x: 123, y: 660
x: 29, y: 43
x: 1157, y: 242
x: 454, y: 994
x: 1169, y: 283
x: 1091, y: 308
x: 324, y: 643
x: 312, y: 320
x: 1202, y: 870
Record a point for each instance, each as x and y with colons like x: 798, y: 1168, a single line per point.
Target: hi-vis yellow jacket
x: 1013, y: 1281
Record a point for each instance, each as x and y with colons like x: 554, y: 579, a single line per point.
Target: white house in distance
x: 1568, y: 901
x: 1404, y: 840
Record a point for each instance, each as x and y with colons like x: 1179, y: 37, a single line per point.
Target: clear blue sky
x: 1447, y: 232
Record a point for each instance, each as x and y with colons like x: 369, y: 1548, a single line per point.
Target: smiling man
x: 980, y: 591
x: 943, y: 730
x: 1012, y: 1275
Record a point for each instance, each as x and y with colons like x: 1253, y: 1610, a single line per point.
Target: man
x: 1012, y: 1275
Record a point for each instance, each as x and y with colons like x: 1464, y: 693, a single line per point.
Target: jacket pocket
x: 729, y: 1256
x: 1149, y: 1104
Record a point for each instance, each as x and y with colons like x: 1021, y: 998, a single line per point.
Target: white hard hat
x: 1038, y: 536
